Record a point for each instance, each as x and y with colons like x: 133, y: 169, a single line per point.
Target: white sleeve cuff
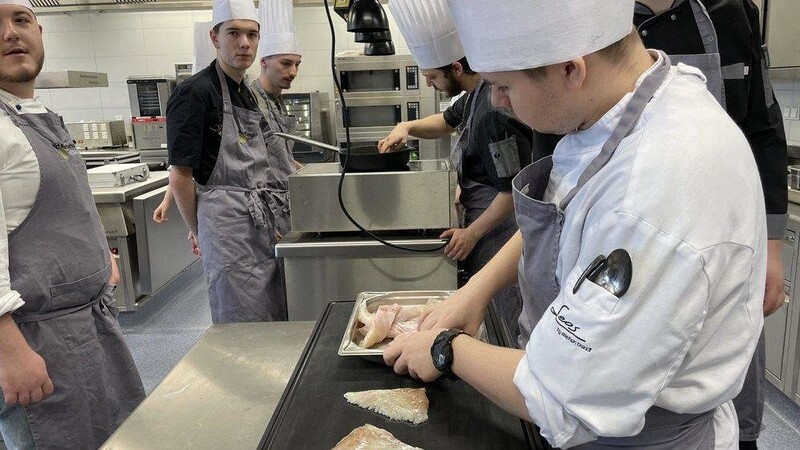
x: 561, y: 429
x: 10, y: 302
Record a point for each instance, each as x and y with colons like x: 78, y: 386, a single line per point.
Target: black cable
x: 346, y: 120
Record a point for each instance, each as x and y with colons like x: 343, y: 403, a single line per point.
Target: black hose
x: 346, y: 120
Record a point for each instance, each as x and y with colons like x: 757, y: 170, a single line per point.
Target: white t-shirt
x: 682, y: 195
x: 19, y: 184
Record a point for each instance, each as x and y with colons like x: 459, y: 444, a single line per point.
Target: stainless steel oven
x: 395, y: 75
x: 380, y: 92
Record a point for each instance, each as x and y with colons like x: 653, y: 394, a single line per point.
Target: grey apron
x: 58, y: 262
x: 541, y: 224
x: 475, y: 199
x: 709, y: 62
x: 238, y: 211
x: 279, y: 119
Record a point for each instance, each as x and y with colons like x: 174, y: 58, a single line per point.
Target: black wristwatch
x: 442, y: 350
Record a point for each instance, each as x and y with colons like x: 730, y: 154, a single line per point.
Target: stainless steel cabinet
x: 782, y: 32
x: 776, y: 326
x: 781, y: 329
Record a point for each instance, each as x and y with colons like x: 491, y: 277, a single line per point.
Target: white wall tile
x: 76, y: 115
x: 782, y: 84
x: 174, y: 41
x: 83, y: 64
x: 68, y: 45
x: 66, y: 99
x: 312, y: 14
x: 77, y: 21
x: 314, y: 37
x: 119, y: 68
x: 118, y: 43
x: 115, y: 96
x: 201, y: 16
x: 315, y: 63
x: 322, y: 84
x: 116, y: 21
x: 163, y: 20
x: 164, y: 64
x: 116, y: 114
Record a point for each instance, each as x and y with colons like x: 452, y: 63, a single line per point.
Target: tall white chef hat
x: 203, y: 50
x: 429, y: 31
x: 25, y: 3
x: 225, y: 10
x: 278, y: 33
x: 501, y: 35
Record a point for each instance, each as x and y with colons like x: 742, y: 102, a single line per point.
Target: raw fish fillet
x: 403, y: 319
x: 368, y: 437
x: 381, y: 323
x: 408, y: 404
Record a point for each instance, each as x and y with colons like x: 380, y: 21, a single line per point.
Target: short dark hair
x: 614, y: 53
x: 464, y: 65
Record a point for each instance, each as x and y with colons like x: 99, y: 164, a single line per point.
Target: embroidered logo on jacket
x: 567, y: 329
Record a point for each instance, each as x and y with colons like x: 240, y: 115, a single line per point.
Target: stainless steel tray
x: 348, y: 347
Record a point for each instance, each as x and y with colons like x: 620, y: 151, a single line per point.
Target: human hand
x: 462, y: 310
x: 194, y: 244
x: 160, y: 214
x: 396, y: 139
x: 115, y: 275
x: 462, y: 242
x: 773, y: 291
x: 23, y: 377
x: 410, y: 353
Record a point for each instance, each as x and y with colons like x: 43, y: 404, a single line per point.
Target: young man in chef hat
x: 219, y: 141
x: 280, y: 58
x: 67, y: 378
x: 645, y: 347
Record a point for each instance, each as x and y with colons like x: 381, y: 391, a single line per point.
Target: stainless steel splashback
x: 422, y: 198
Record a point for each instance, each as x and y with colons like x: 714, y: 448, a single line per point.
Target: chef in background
x: 490, y: 146
x: 203, y: 53
x: 723, y: 39
x: 647, y: 357
x: 66, y: 375
x: 220, y: 144
x: 280, y: 58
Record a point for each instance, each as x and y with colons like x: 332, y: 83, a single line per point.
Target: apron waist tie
x: 104, y: 300
x: 262, y: 202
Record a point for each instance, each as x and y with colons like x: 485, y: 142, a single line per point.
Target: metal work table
x: 122, y: 194
x: 222, y: 393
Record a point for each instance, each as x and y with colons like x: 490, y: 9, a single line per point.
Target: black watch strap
x: 442, y: 351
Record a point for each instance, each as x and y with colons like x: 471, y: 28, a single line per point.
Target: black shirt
x: 194, y: 120
x: 749, y: 96
x: 499, y: 145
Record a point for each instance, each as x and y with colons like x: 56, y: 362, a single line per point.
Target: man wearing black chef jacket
x: 723, y: 39
x: 67, y: 378
x: 220, y: 142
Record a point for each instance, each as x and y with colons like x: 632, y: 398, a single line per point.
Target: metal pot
x: 365, y: 158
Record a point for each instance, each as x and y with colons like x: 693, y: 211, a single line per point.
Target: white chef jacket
x: 19, y: 184
x: 682, y: 195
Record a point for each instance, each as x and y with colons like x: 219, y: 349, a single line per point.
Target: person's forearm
x: 501, y: 207
x: 500, y: 272
x: 490, y: 370
x: 167, y: 196
x: 11, y: 340
x: 182, y: 188
x: 431, y: 127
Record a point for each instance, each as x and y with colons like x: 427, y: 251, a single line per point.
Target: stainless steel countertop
x: 222, y: 393
x: 121, y: 194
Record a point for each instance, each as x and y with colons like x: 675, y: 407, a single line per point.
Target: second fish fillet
x: 408, y: 404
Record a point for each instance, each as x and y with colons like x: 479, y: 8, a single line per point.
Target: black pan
x: 364, y: 158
